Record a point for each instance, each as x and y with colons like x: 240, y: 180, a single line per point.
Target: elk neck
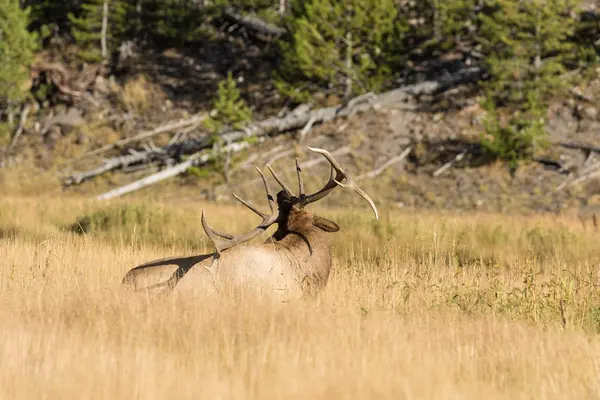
x: 306, y: 246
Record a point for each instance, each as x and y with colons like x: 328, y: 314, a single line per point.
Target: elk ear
x: 325, y: 224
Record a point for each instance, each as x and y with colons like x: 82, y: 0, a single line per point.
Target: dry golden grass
x: 139, y: 93
x: 419, y: 306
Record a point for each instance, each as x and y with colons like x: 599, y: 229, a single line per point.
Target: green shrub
x: 231, y: 109
x: 517, y: 139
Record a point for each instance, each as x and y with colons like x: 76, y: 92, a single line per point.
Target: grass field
x: 419, y: 306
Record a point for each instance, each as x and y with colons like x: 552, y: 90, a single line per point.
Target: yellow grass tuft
x: 418, y: 306
x: 138, y: 94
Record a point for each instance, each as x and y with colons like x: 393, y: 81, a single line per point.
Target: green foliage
x: 449, y: 23
x: 334, y: 45
x: 587, y: 32
x: 200, y: 172
x: 518, y: 138
x: 87, y: 27
x: 47, y: 15
x: 528, y: 45
x: 230, y: 107
x: 17, y: 48
x: 174, y: 22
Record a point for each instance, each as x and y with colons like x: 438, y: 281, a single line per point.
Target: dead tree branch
x: 171, y: 126
x: 579, y: 146
x: 253, y: 23
x: 20, y: 127
x: 586, y: 174
x: 378, y: 171
x: 450, y: 163
x: 195, y: 160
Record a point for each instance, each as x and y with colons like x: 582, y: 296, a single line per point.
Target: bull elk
x: 294, y: 262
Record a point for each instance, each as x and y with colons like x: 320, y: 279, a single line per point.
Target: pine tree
x: 230, y: 107
x: 446, y: 23
x: 347, y: 46
x: 17, y: 48
x: 172, y: 22
x: 528, y: 46
x: 98, y: 27
x: 47, y: 15
x: 458, y: 22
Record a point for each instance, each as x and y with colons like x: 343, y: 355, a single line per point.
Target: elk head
x: 288, y: 210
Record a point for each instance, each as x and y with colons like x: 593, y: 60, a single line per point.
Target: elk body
x: 294, y: 262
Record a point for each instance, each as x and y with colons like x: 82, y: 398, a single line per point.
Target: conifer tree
x: 528, y: 46
x: 347, y: 46
x: 98, y: 27
x: 230, y: 107
x: 17, y: 47
x: 172, y: 21
x: 447, y: 23
x: 47, y: 14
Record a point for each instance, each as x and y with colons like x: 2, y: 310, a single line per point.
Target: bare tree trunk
x: 21, y: 126
x: 348, y: 91
x: 104, y: 30
x: 437, y: 23
x: 282, y: 6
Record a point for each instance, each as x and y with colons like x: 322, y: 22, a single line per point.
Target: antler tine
x: 223, y: 241
x: 270, y: 198
x: 270, y: 195
x: 337, y: 181
x: 301, y: 193
x: 283, y: 185
x: 250, y: 206
x: 214, y: 237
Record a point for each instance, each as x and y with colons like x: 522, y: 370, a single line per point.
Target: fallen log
x: 171, y: 126
x: 253, y: 23
x: 378, y: 171
x: 586, y: 174
x: 195, y: 160
x: 277, y: 125
x: 110, y: 165
x: 450, y: 163
x: 578, y: 146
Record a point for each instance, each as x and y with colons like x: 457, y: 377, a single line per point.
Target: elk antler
x: 334, y: 181
x: 223, y: 241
